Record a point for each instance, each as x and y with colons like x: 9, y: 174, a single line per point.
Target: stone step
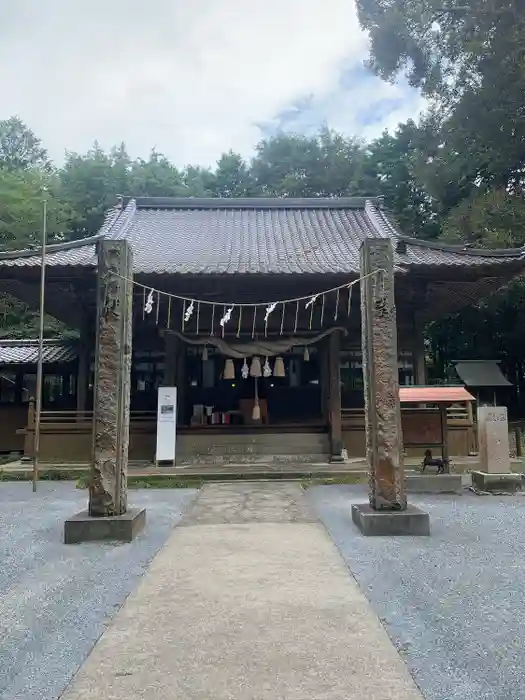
x: 284, y: 459
x: 250, y: 446
x: 251, y: 450
x: 265, y: 439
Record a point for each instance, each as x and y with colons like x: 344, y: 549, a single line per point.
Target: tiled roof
x: 481, y: 373
x: 243, y: 236
x: 22, y: 352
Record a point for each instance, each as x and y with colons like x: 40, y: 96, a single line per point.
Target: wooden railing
x: 455, y: 414
x: 68, y: 417
x: 64, y: 434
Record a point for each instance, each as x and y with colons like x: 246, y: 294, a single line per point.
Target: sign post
x: 166, y: 425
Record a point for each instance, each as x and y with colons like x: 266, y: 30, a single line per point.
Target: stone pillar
x: 493, y: 433
x: 494, y: 452
x: 387, y: 512
x: 384, y: 442
x: 108, y: 482
x: 334, y: 396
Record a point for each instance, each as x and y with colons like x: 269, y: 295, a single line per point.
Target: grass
x: 43, y: 475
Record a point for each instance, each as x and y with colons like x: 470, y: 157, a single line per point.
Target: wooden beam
x: 334, y: 397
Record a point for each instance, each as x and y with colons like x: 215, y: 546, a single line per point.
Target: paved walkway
x: 248, y: 599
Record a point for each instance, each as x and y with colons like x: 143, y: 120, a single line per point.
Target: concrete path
x: 248, y: 599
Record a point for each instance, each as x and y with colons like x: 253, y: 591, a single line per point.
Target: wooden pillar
x: 418, y: 353
x: 170, y: 359
x: 334, y: 396
x: 181, y: 383
x: 29, y: 436
x: 443, y: 419
x: 384, y: 442
x: 324, y: 379
x: 108, y: 478
x: 84, y: 360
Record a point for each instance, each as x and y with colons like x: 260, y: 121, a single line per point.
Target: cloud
x: 191, y: 79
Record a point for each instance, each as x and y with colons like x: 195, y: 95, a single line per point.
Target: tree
x: 469, y: 60
x: 21, y: 209
x: 198, y: 182
x: 393, y: 168
x: 20, y: 149
x: 326, y: 165
x: 233, y: 177
x: 155, y: 177
x: 91, y: 183
x: 492, y: 219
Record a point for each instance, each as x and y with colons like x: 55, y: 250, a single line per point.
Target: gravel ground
x: 453, y: 603
x: 56, y: 599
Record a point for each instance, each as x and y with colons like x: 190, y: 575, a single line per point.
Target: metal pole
x: 39, y: 367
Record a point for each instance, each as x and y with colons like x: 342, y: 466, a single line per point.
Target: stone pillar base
x: 508, y: 483
x: 83, y: 527
x: 411, y: 522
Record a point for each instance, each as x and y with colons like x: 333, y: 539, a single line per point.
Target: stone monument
x: 494, y: 452
x: 387, y: 512
x: 108, y: 515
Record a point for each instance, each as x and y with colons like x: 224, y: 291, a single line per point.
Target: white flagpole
x: 39, y: 367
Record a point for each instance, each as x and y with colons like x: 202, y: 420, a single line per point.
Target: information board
x: 166, y: 424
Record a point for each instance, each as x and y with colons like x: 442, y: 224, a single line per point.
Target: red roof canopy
x: 434, y: 394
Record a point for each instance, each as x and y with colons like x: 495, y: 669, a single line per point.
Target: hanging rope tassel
x: 296, y: 317
x: 158, y: 309
x: 350, y: 287
x: 198, y: 316
x: 212, y: 319
x: 254, y: 317
x: 322, y: 311
x: 183, y: 314
x: 336, y: 305
x: 169, y: 313
x: 282, y: 318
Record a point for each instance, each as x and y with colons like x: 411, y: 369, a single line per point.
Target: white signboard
x: 166, y: 424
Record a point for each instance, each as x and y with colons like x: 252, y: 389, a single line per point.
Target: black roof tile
x: 254, y: 236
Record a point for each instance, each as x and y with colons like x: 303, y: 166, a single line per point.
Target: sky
x: 190, y: 78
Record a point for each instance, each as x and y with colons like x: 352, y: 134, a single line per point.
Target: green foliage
x: 467, y: 57
x: 326, y: 165
x: 19, y: 147
x: 392, y: 167
x: 22, y: 193
x: 469, y: 60
x: 91, y: 183
x: 232, y: 177
x: 493, y: 219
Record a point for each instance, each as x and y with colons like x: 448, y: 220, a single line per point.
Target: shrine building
x: 251, y: 308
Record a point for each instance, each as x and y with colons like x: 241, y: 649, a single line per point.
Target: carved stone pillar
x: 108, y: 482
x: 387, y: 512
x: 384, y: 442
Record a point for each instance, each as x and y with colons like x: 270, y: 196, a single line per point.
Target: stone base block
x: 509, y: 483
x: 83, y: 527
x: 433, y: 483
x: 411, y: 521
